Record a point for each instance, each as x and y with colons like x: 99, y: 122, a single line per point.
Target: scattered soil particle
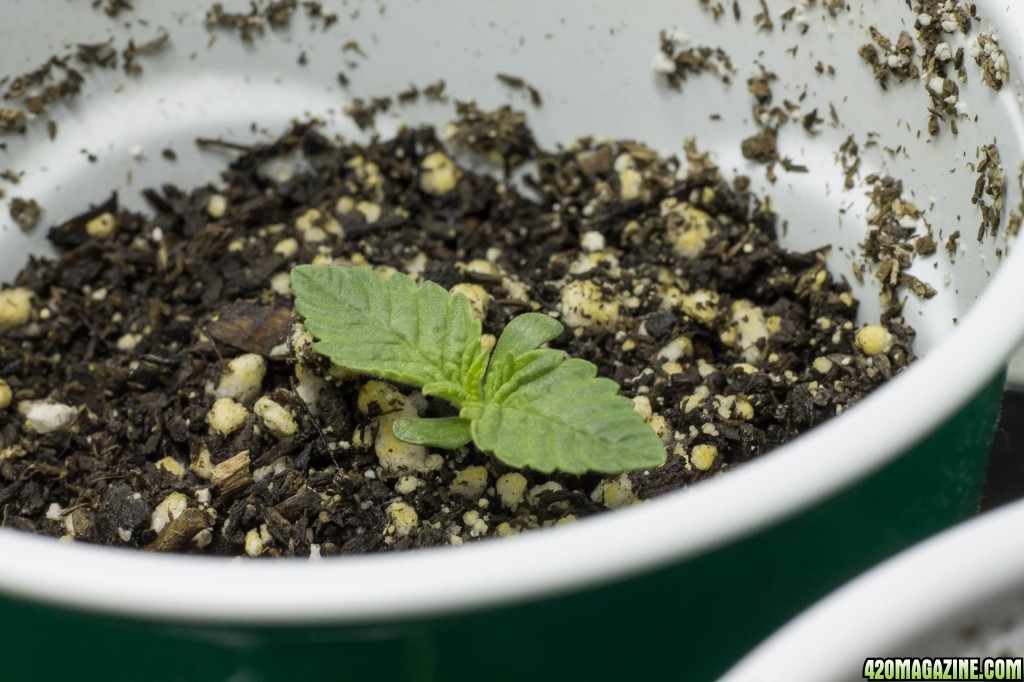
x: 409, y: 95
x: 760, y: 86
x: 951, y: 243
x: 353, y: 46
x: 763, y: 19
x: 717, y: 9
x: 891, y: 243
x: 129, y: 54
x: 517, y: 83
x: 500, y: 134
x: 32, y: 93
x: 147, y: 332
x: 761, y: 147
x: 849, y: 159
x: 925, y: 245
x: 995, y: 67
x: 315, y: 11
x: 677, y: 62
x: 11, y: 121
x: 1017, y: 216
x: 277, y: 14
x: 989, y: 190
x: 25, y: 212
x: 365, y: 113
x: 435, y: 92
x: 101, y: 54
x: 936, y: 62
x: 822, y: 68
x: 893, y: 58
x: 113, y: 8
x: 253, y: 23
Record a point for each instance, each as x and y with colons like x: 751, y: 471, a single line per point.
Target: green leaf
x: 446, y: 432
x: 521, y: 335
x: 390, y: 327
x: 527, y: 332
x: 529, y: 407
x: 559, y: 415
x: 522, y: 371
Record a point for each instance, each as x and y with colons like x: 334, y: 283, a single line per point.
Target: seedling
x: 528, y: 406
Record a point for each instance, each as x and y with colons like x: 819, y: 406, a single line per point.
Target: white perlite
x: 511, y: 488
x: 592, y: 241
x: 615, y: 493
x: 216, y: 206
x: 379, y: 396
x: 226, y: 416
x: 874, y: 339
x: 476, y: 295
x: 751, y: 328
x: 584, y: 304
x: 171, y: 466
x: 15, y: 307
x: 6, y: 395
x: 253, y: 543
x: 46, y: 416
x: 242, y: 378
x: 469, y: 483
x: 662, y: 63
x: 310, y: 388
x: 102, y: 226
x: 169, y: 509
x: 403, y: 518
x: 278, y: 419
x: 397, y: 457
x: 439, y: 175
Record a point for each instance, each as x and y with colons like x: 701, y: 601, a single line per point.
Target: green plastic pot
x: 954, y: 596
x: 677, y: 588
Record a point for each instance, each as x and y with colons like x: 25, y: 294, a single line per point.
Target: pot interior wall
x: 592, y: 67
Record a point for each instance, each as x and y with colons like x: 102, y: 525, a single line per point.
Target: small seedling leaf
x: 530, y: 407
x: 521, y: 335
x: 446, y: 432
x: 562, y: 416
x: 527, y: 332
x: 390, y: 327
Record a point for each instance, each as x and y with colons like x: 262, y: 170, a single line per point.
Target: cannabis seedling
x: 529, y: 407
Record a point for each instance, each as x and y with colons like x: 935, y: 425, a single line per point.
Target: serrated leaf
x: 527, y: 332
x: 388, y: 326
x: 521, y: 371
x: 520, y: 336
x: 445, y: 432
x: 562, y: 416
x: 529, y: 407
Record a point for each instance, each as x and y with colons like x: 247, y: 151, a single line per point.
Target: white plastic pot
x: 957, y: 595
x: 686, y: 583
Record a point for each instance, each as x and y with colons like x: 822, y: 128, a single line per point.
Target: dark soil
x: 672, y: 283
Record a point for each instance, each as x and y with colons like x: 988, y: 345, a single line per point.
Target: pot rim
x: 589, y: 553
x: 924, y: 588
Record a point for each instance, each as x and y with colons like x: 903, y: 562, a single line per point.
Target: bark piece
x: 232, y: 475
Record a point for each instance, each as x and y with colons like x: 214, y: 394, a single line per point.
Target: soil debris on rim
x: 156, y: 390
